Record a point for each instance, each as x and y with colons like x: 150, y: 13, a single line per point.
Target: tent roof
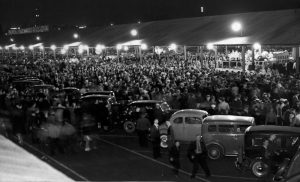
x: 269, y: 27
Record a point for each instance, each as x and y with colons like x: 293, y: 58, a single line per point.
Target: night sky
x: 104, y: 12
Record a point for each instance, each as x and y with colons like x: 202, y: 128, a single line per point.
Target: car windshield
x: 165, y: 107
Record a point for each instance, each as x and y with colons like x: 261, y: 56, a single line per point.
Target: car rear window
x: 212, y: 128
x: 178, y: 120
x: 226, y: 128
x: 193, y: 120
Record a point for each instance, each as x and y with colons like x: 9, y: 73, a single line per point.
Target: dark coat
x: 191, y: 150
x: 154, y: 133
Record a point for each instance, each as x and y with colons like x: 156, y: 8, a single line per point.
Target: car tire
x: 214, y: 152
x: 259, y: 168
x: 129, y: 127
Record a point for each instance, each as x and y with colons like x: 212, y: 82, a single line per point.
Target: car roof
x: 95, y: 96
x: 43, y: 86
x: 146, y: 102
x: 190, y: 111
x: 70, y: 88
x: 273, y: 128
x: 228, y: 118
x: 98, y: 93
x: 27, y: 80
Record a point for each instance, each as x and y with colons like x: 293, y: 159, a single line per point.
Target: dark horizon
x: 101, y: 13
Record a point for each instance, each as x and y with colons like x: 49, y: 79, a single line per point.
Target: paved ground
x: 119, y: 158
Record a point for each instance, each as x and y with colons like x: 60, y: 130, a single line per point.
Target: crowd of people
x: 271, y: 98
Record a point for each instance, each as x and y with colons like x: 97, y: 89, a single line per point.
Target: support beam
x: 253, y: 58
x: 216, y: 57
x: 296, y: 55
x: 243, y: 59
x: 184, y: 50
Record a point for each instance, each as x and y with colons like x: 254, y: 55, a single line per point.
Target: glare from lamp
x: 134, y: 32
x: 236, y: 26
x: 119, y: 47
x: 63, y: 51
x: 173, y: 46
x: 75, y: 35
x: 126, y: 48
x: 144, y: 46
x: 53, y: 47
x: 210, y: 46
x: 31, y: 47
x: 22, y: 47
x: 256, y: 46
x: 38, y: 38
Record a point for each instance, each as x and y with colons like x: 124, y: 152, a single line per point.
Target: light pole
x: 53, y: 47
x: 237, y: 27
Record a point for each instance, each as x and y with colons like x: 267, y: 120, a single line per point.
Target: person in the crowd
x: 143, y: 126
x: 271, y: 118
x: 155, y: 139
x: 174, y: 156
x: 197, y: 153
x: 223, y: 106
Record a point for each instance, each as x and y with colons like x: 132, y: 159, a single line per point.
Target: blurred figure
x: 174, y: 156
x: 143, y: 126
x: 197, y: 154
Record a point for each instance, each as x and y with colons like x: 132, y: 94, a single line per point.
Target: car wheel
x: 215, y: 152
x: 129, y: 127
x: 259, y: 168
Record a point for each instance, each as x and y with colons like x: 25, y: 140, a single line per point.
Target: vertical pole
x: 16, y: 54
x: 253, y: 58
x: 140, y: 53
x: 184, y: 50
x: 54, y: 54
x: 297, y: 59
x: 243, y: 59
x: 88, y: 52
x: 216, y: 56
x: 33, y: 53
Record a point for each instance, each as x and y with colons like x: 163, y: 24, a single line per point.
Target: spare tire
x: 129, y: 127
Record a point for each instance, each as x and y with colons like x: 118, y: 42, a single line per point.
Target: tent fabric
x: 270, y: 28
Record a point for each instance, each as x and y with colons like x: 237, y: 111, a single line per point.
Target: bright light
x: 6, y: 47
x: 85, y: 47
x: 111, y: 24
x: 158, y: 50
x: 119, y: 46
x: 53, y: 47
x: 139, y: 22
x: 14, y: 48
x: 63, y: 51
x: 210, y: 46
x: 144, y: 46
x: 75, y: 35
x: 31, y: 47
x: 11, y: 39
x: 134, y: 32
x: 0, y: 48
x: 38, y: 38
x: 126, y: 48
x: 100, y: 47
x: 66, y: 47
x: 173, y: 46
x: 236, y: 26
x: 41, y: 47
x: 256, y: 46
x: 80, y: 49
x: 22, y: 47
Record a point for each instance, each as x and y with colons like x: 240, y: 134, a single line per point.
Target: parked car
x: 111, y: 94
x: 23, y: 84
x: 72, y: 93
x: 252, y: 154
x: 224, y: 134
x: 94, y: 105
x: 133, y: 110
x: 186, y: 124
x: 289, y: 171
x: 40, y: 89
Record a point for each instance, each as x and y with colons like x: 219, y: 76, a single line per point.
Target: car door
x: 192, y: 127
x: 177, y: 126
x: 228, y: 138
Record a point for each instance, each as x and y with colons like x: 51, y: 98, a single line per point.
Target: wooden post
x: 184, y: 50
x: 296, y: 57
x: 243, y: 59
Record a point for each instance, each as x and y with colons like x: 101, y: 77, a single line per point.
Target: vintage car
x: 23, y: 84
x: 72, y: 93
x: 133, y: 110
x: 45, y: 89
x: 93, y: 105
x: 108, y: 93
x: 252, y: 154
x: 289, y: 171
x: 186, y: 124
x: 224, y: 134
